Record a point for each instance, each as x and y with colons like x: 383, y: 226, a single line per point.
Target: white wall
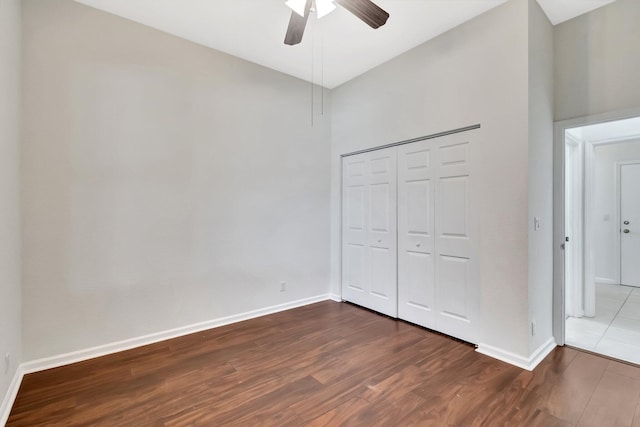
x: 540, y: 187
x: 164, y: 183
x: 605, y: 225
x: 597, y: 62
x: 476, y: 73
x: 10, y: 294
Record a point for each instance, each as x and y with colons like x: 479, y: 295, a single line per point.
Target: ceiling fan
x: 367, y: 11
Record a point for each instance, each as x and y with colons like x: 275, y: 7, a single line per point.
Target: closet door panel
x: 354, y: 227
x: 416, y: 286
x: 380, y: 215
x: 354, y: 267
x: 382, y: 280
x: 453, y: 283
x: 457, y: 292
x: 369, y: 245
x: 418, y: 199
x: 383, y: 292
x: 453, y: 214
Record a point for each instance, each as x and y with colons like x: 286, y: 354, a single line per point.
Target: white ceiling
x: 618, y: 130
x: 562, y: 10
x: 339, y: 45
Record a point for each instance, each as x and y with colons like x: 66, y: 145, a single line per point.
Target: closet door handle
x: 418, y: 245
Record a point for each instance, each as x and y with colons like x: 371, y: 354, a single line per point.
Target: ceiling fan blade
x: 297, y: 24
x: 370, y: 13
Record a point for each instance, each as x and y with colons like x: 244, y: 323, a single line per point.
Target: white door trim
x: 588, y: 264
x: 558, y: 207
x: 574, y: 150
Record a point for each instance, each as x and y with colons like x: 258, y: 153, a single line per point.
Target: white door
x: 630, y: 224
x: 416, y: 266
x: 438, y: 285
x: 369, y: 231
x: 457, y: 272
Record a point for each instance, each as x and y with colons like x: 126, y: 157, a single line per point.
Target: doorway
x: 598, y: 215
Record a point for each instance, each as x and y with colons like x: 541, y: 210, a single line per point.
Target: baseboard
x: 528, y: 363
x: 542, y: 352
x: 606, y: 281
x: 335, y: 297
x: 10, y: 396
x: 103, y: 350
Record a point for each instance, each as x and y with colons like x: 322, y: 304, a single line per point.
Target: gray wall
x: 476, y: 73
x: 164, y: 183
x: 597, y: 62
x: 540, y: 174
x: 10, y: 335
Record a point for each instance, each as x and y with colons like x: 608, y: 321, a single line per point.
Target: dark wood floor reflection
x: 327, y: 364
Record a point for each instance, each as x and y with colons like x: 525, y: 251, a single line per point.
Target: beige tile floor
x: 615, y: 330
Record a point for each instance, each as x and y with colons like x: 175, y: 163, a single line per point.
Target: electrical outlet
x: 533, y: 327
x: 283, y: 286
x: 7, y: 362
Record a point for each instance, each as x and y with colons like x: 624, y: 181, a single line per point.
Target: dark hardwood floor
x: 327, y: 364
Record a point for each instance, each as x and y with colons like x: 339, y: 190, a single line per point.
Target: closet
x: 409, y: 233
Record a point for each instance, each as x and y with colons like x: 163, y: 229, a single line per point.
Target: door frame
x: 574, y: 190
x: 618, y: 211
x: 560, y: 127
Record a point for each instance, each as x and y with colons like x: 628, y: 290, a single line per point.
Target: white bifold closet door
x: 437, y: 265
x: 369, y: 254
x: 409, y: 233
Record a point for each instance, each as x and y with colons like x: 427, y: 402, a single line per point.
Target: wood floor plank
x: 506, y: 407
x: 341, y: 415
x: 272, y: 408
x: 327, y: 364
x: 567, y: 392
x: 625, y: 369
x: 636, y: 418
x: 357, y: 378
x: 549, y: 370
x: 543, y: 419
x: 613, y: 402
x: 389, y: 412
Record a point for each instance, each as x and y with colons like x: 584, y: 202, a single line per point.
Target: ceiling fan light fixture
x: 365, y: 10
x: 297, y: 6
x: 324, y: 7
